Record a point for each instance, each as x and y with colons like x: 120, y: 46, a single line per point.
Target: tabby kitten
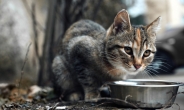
x: 91, y: 55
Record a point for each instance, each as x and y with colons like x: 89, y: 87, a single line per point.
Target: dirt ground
x: 13, y: 97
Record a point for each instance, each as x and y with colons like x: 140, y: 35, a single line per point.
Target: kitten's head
x: 130, y: 49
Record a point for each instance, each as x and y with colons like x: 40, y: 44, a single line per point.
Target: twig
x: 127, y: 97
x: 100, y: 104
x: 170, y: 100
x: 30, y: 12
x: 22, y: 72
x: 112, y: 100
x: 177, y: 105
x: 35, y: 32
x: 54, y: 107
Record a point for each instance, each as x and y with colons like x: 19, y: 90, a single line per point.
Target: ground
x: 14, y: 97
x: 35, y: 97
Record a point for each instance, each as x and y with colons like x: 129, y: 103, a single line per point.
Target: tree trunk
x: 44, y: 75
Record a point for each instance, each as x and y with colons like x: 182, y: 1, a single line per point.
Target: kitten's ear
x: 121, y: 22
x: 153, y: 27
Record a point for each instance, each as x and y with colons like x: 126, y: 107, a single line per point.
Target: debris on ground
x: 38, y: 98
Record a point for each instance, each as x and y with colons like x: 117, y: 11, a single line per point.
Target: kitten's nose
x: 137, y: 66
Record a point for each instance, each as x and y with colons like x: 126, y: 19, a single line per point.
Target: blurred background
x: 42, y: 23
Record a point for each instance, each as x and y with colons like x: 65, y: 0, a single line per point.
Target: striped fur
x: 90, y: 55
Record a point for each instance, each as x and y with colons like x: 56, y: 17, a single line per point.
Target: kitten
x: 91, y: 55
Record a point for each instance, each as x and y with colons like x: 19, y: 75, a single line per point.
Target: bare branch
x: 22, y: 72
x: 112, y: 100
x: 170, y: 100
x: 30, y: 13
x: 35, y: 31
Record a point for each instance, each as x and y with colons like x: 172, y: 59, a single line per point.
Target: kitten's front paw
x: 75, y: 96
x: 91, y: 95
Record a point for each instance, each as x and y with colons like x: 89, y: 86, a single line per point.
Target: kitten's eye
x: 147, y: 53
x: 128, y: 50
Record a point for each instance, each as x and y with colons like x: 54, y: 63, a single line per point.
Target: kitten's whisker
x: 148, y: 70
x: 151, y: 69
x: 166, y: 64
x: 164, y: 67
x: 144, y: 73
x: 159, y: 68
x: 149, y: 74
x: 161, y: 63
